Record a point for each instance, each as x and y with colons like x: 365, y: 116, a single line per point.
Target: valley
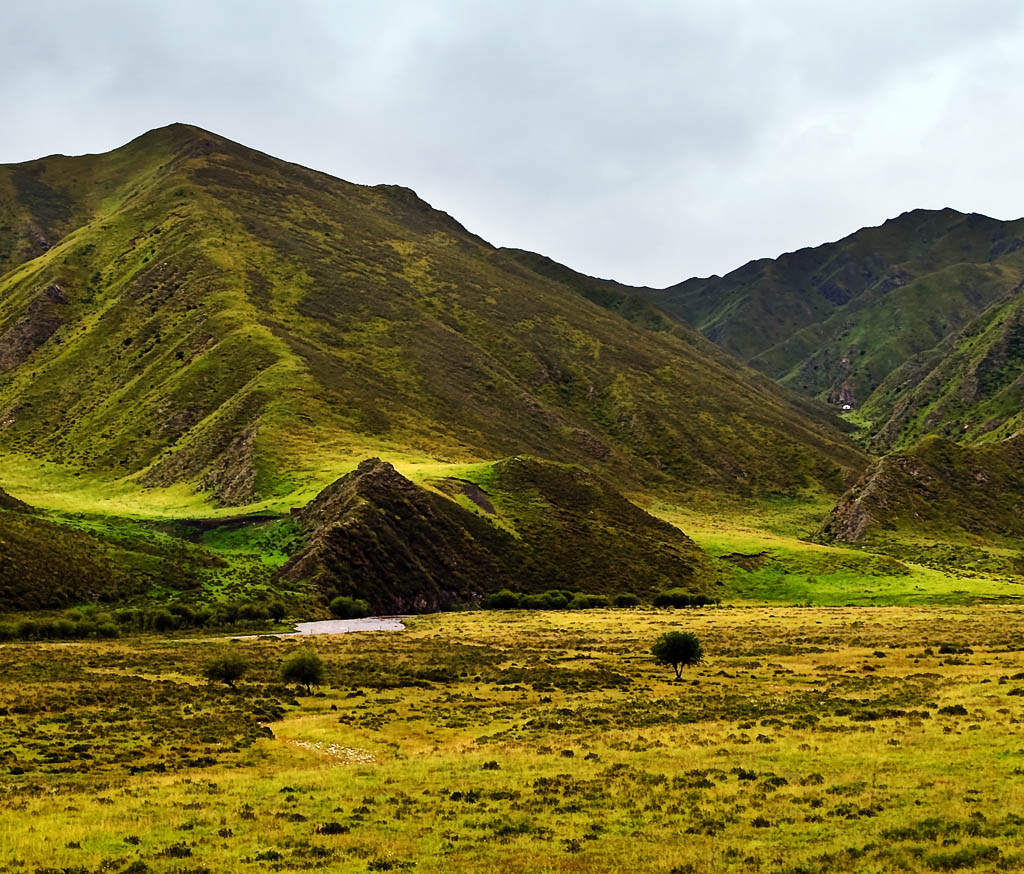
x: 238, y: 395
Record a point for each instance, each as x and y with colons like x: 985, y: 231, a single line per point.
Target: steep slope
x: 853, y: 321
x: 205, y: 313
x: 970, y: 387
x: 938, y: 490
x: 521, y: 523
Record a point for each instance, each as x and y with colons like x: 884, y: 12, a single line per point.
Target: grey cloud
x: 646, y: 144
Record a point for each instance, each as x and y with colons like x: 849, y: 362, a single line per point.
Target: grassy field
x: 810, y: 740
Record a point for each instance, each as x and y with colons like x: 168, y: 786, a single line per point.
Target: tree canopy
x: 678, y: 649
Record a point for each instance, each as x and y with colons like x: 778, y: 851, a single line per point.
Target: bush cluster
x: 682, y: 598
x: 73, y: 625
x: 561, y: 599
x: 228, y: 614
x: 552, y: 599
x: 90, y: 622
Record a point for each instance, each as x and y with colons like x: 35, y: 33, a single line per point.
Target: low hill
x: 50, y: 563
x: 521, y: 523
x: 187, y: 310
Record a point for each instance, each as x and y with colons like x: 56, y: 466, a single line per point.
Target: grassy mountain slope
x: 936, y: 496
x: 868, y: 318
x: 184, y: 309
x: 970, y: 387
x: 522, y: 523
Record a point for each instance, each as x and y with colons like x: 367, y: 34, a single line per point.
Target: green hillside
x: 940, y: 503
x: 186, y: 310
x: 872, y: 319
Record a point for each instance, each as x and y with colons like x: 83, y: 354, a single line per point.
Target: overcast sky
x: 646, y: 141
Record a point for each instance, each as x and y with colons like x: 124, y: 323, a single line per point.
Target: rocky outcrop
x: 33, y: 328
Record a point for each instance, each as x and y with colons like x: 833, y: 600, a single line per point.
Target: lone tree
x: 226, y: 669
x: 304, y: 667
x: 679, y: 649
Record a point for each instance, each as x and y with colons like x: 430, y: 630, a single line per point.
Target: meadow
x: 812, y: 739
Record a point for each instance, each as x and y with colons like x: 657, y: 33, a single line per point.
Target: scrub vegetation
x: 808, y: 740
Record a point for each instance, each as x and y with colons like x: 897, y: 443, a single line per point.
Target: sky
x: 646, y: 142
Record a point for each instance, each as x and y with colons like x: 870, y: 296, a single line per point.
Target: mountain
x: 522, y: 523
x: 969, y: 387
x: 187, y: 310
x: 941, y: 491
x: 915, y: 323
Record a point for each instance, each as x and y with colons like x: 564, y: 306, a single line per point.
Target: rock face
x: 526, y: 524
x: 936, y: 487
x: 33, y: 328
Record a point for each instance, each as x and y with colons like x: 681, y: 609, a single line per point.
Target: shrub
x: 344, y: 607
x: 503, y: 600
x: 580, y: 601
x: 185, y: 616
x: 253, y: 612
x: 277, y: 610
x: 163, y: 620
x: 304, y: 667
x: 682, y: 598
x: 108, y: 630
x: 627, y: 599
x: 226, y: 669
x: 678, y: 649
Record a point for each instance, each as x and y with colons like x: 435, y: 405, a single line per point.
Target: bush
x: 503, y: 600
x: 226, y: 669
x: 108, y: 630
x: 581, y: 601
x: 552, y: 599
x: 304, y: 667
x: 678, y: 649
x: 627, y: 599
x: 682, y: 598
x: 277, y: 610
x: 344, y: 607
x: 164, y: 620
x: 253, y: 612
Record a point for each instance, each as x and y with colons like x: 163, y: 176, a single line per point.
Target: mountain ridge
x: 220, y: 317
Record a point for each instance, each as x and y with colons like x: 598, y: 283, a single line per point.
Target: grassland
x: 810, y: 740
